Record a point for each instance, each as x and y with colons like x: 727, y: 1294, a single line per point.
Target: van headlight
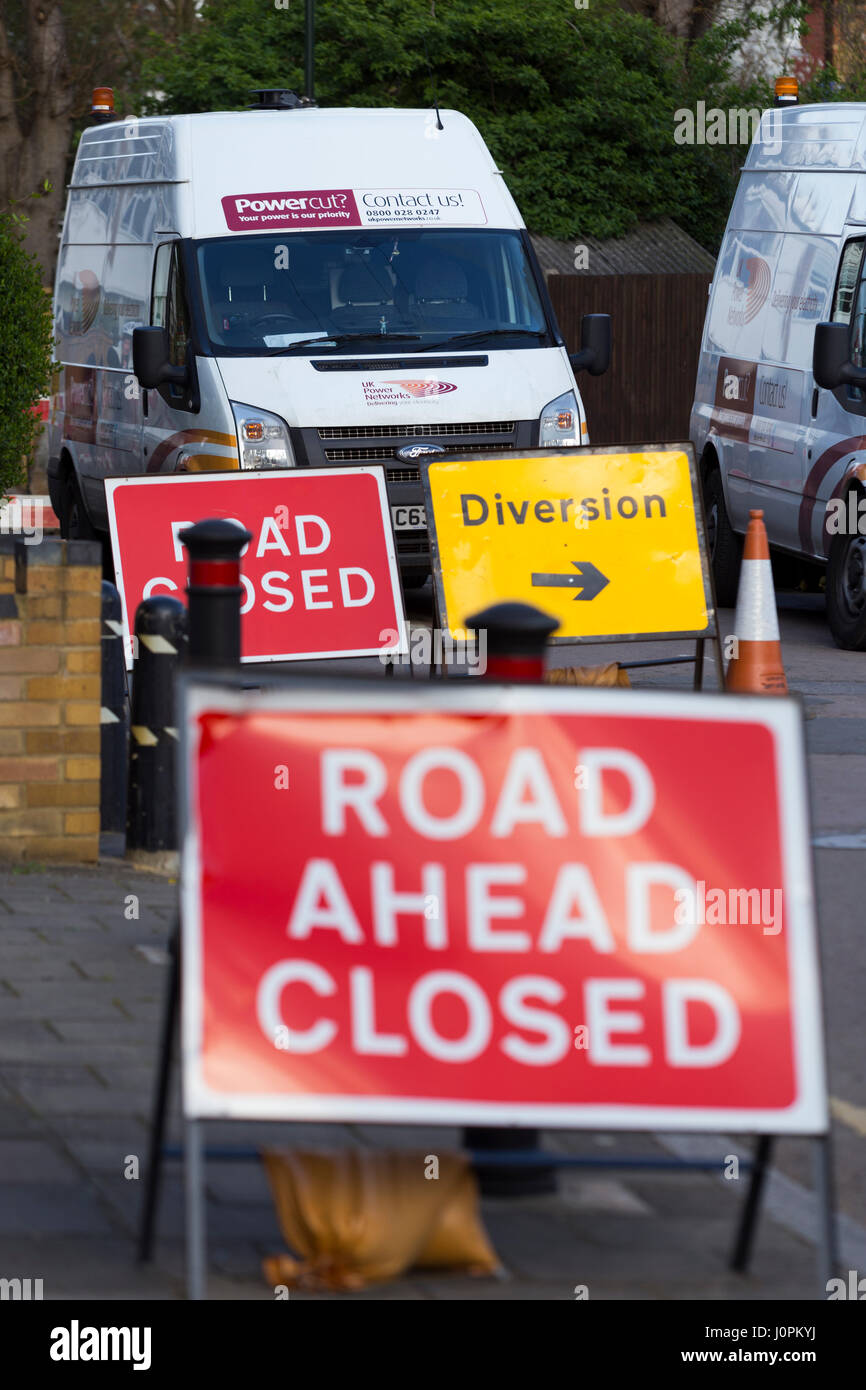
x: 560, y: 422
x: 263, y: 439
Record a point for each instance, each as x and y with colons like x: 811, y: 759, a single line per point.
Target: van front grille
x: 385, y: 454
x: 404, y: 475
x: 428, y: 431
x: 337, y: 445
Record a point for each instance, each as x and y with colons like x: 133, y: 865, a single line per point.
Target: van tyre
x: 846, y: 592
x: 726, y: 547
x: 74, y: 521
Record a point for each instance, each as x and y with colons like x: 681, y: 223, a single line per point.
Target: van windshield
x: 344, y: 291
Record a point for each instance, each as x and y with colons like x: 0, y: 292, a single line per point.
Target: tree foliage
x: 577, y: 105
x: 52, y: 54
x: 26, y: 337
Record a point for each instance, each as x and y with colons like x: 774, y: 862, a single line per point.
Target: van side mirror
x: 595, y: 339
x: 150, y: 359
x: 831, y: 359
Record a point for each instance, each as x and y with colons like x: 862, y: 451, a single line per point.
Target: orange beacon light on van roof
x: 102, y: 102
x: 787, y: 91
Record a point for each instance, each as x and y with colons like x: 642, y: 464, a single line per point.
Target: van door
x: 168, y: 410
x: 838, y: 418
x: 801, y: 289
x: 119, y: 408
x: 776, y: 449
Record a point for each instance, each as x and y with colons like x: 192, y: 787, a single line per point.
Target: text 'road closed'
x: 318, y: 578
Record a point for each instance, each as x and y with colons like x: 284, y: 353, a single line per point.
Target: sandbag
x: 611, y: 674
x: 358, y: 1217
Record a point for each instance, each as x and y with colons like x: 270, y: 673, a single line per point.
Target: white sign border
x: 399, y: 648
x: 809, y: 1113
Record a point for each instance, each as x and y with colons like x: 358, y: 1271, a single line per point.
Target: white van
x: 779, y: 418
x: 296, y: 287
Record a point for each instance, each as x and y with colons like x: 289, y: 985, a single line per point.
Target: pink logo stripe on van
x: 818, y: 472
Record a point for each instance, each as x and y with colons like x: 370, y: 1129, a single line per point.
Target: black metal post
x: 214, y: 591
x: 160, y: 647
x: 516, y: 635
x: 309, y: 49
x: 214, y: 622
x: 114, y: 719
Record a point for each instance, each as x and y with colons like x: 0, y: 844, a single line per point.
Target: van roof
x: 373, y: 157
x: 829, y: 136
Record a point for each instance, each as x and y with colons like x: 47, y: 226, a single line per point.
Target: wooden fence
x: 658, y: 320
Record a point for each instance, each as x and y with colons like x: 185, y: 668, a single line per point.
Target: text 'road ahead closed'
x: 495, y: 908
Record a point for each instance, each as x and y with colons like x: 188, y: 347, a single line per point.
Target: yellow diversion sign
x: 609, y: 541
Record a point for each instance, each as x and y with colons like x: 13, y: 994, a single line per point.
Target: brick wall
x: 50, y: 663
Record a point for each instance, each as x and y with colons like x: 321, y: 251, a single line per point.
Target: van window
x: 168, y: 306
x: 849, y: 306
x: 848, y: 268
x: 309, y: 292
x: 858, y: 328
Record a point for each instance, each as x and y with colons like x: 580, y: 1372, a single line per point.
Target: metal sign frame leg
x: 825, y: 1236
x: 749, y: 1219
x: 698, y: 682
x: 160, y: 1102
x: 195, y: 1214
x: 437, y: 627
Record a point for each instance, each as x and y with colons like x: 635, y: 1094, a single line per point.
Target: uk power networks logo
x: 749, y: 298
x: 420, y: 389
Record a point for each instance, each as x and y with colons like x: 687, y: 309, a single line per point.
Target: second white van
x: 779, y: 417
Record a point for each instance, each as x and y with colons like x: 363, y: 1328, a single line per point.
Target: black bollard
x: 161, y: 627
x: 517, y: 635
x: 114, y: 718
x: 214, y: 591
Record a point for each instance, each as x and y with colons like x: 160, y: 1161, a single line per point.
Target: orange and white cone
x: 756, y: 665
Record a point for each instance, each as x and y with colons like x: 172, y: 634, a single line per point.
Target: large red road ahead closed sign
x: 320, y: 576
x: 528, y: 906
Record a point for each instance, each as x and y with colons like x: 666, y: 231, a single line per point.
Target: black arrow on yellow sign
x: 588, y: 579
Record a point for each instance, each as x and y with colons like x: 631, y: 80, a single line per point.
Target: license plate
x: 409, y: 518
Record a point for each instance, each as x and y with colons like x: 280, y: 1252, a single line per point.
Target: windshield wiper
x: 338, y: 339
x: 480, y: 333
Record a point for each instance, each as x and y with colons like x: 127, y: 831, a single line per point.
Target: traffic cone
x: 757, y: 665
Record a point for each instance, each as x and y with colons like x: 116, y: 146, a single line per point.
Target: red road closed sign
x: 319, y: 575
x: 499, y: 905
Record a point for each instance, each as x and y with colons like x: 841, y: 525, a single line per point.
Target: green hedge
x: 26, y: 340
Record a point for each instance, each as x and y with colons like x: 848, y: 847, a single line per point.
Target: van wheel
x: 726, y: 547
x: 74, y: 521
x: 846, y: 592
